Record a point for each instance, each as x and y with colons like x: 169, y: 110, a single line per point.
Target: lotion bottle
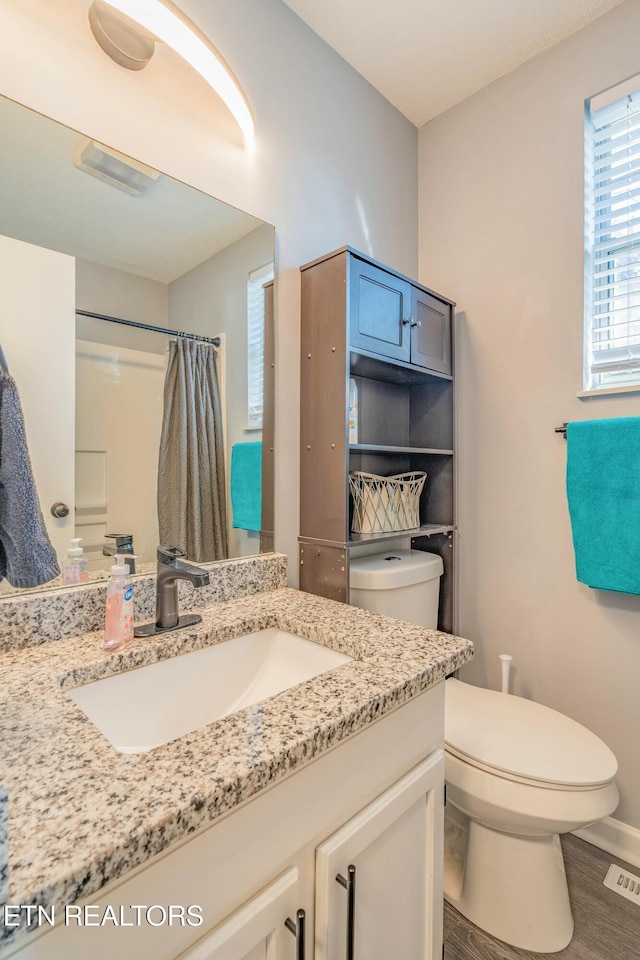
x: 118, y: 621
x: 75, y: 567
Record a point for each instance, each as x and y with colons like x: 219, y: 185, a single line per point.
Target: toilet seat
x: 517, y: 739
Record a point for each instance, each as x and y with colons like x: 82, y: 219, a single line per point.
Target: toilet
x: 518, y: 774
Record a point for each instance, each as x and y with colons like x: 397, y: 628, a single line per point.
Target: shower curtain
x: 192, y: 499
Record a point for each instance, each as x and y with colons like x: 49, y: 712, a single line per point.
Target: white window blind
x: 255, y: 342
x: 612, y: 262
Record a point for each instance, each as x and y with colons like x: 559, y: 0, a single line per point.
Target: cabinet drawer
x: 430, y: 332
x: 380, y: 306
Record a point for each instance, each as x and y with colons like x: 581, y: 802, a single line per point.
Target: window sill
x: 607, y: 392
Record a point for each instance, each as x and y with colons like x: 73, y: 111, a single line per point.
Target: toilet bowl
x: 518, y: 774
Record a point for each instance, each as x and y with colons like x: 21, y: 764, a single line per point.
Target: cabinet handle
x: 406, y: 320
x: 416, y: 323
x: 350, y: 886
x: 297, y: 929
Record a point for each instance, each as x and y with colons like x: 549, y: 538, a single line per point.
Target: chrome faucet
x: 172, y: 568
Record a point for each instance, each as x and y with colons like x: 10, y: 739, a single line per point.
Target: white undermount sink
x: 144, y: 708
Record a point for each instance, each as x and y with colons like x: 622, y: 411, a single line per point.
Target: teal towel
x: 246, y: 485
x: 603, y: 490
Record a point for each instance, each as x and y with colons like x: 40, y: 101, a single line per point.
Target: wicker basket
x: 386, y: 504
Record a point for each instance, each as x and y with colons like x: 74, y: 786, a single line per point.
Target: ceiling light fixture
x: 115, y: 168
x: 127, y: 30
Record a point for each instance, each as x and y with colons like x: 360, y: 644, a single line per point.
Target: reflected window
x: 255, y: 343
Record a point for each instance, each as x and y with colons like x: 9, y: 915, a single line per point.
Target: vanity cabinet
x: 387, y: 852
x: 390, y: 848
x: 375, y: 801
x: 394, y: 337
x: 258, y: 930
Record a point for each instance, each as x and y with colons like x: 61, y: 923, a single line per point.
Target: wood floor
x: 607, y: 926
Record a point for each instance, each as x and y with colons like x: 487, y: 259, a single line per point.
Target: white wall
x: 212, y: 299
x: 501, y: 231
x: 333, y: 161
x: 117, y: 293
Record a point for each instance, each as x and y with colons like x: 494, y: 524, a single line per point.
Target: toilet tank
x: 400, y: 583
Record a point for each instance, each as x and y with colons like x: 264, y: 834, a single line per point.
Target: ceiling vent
x: 115, y: 168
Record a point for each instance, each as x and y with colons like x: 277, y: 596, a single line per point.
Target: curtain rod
x: 147, y: 326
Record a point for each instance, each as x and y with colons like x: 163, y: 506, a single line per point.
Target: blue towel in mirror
x: 246, y: 485
x: 603, y: 490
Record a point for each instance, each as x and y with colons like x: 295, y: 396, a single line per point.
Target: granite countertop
x: 82, y: 814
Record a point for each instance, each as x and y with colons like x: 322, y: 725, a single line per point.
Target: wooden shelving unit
x: 355, y: 312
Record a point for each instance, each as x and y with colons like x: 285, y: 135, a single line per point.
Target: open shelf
x: 385, y: 448
x: 426, y: 530
x: 365, y: 364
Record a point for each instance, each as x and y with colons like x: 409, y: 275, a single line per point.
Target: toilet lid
x: 517, y: 737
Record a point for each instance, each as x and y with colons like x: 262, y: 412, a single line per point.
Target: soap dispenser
x: 118, y: 621
x: 75, y: 567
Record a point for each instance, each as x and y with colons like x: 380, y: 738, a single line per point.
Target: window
x: 255, y: 342
x: 612, y: 249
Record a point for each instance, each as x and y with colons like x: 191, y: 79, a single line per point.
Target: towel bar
x: 562, y: 430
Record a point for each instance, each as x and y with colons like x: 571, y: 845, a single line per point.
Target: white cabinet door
x: 395, y: 845
x: 257, y: 930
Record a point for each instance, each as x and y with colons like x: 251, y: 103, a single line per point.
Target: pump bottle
x: 75, y: 567
x: 118, y: 622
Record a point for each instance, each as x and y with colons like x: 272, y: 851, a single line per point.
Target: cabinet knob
x: 350, y: 886
x: 59, y: 510
x: 298, y: 930
x: 406, y: 320
x: 416, y: 323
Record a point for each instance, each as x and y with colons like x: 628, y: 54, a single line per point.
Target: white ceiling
x: 46, y: 200
x: 425, y: 56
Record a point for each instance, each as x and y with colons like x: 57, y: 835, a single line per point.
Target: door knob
x: 59, y: 510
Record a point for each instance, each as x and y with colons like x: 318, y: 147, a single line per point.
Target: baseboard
x: 614, y: 836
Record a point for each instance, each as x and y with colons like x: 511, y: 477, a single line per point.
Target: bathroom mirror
x: 89, y: 238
